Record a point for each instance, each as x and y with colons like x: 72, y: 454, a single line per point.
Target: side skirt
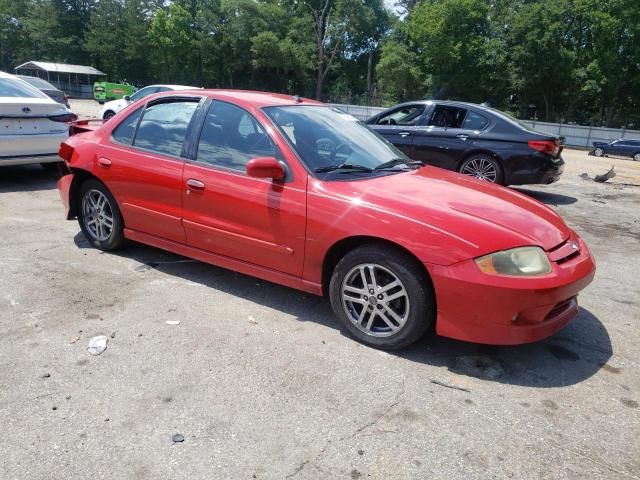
x: 225, y: 262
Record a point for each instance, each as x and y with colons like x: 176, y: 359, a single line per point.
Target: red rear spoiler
x: 80, y: 126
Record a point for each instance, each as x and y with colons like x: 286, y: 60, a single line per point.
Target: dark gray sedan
x: 623, y: 147
x: 46, y: 88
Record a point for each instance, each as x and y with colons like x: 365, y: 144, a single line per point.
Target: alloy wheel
x: 481, y: 168
x: 97, y: 215
x: 636, y: 157
x: 375, y: 300
x: 598, y: 152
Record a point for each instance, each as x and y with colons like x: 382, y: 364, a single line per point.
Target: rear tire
x: 99, y: 216
x: 383, y: 297
x: 482, y: 167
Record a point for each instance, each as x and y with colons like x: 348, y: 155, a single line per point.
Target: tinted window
x: 474, y: 121
x: 447, y: 117
x: 143, y: 93
x: 37, y: 82
x: 407, y: 115
x: 123, y: 133
x: 18, y: 88
x: 231, y: 137
x: 163, y: 127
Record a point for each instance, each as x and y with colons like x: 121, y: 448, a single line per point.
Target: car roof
x: 258, y: 99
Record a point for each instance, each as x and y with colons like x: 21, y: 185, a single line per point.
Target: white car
x: 111, y: 108
x: 32, y: 125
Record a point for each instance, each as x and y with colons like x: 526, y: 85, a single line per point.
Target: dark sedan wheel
x: 482, y: 167
x: 382, y: 296
x: 598, y: 152
x: 636, y: 157
x: 99, y: 216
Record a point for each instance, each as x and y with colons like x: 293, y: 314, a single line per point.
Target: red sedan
x: 298, y: 193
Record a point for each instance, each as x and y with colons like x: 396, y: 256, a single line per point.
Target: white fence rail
x: 575, y: 135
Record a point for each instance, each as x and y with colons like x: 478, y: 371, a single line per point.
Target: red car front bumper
x: 503, y: 310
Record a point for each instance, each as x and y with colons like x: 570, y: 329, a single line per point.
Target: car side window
x: 447, y: 117
x: 406, y: 116
x: 231, y: 137
x: 144, y: 92
x: 163, y: 126
x: 123, y: 133
x: 474, y: 121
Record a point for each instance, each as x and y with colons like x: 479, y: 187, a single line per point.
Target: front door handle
x: 404, y: 134
x: 104, y: 162
x: 462, y: 136
x: 193, y: 184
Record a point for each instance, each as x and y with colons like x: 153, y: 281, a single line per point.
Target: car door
x: 398, y: 125
x: 142, y: 164
x: 444, y: 137
x: 228, y: 213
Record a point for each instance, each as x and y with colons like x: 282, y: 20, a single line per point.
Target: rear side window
x: 123, y: 133
x: 231, y: 137
x: 447, y: 117
x: 407, y: 116
x: 163, y: 127
x: 474, y: 121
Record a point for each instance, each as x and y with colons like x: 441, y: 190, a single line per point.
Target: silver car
x: 32, y: 125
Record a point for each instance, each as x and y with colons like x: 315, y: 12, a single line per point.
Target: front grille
x: 562, y: 308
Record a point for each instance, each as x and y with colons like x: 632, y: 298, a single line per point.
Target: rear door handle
x: 193, y: 184
x: 104, y: 162
x: 462, y: 136
x: 404, y: 134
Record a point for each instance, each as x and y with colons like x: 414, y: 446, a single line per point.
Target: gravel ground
x: 262, y: 383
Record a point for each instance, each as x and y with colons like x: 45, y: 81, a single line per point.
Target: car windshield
x: 330, y: 142
x: 142, y: 93
x: 18, y: 88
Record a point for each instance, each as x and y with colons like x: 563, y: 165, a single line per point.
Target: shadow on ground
x: 569, y: 357
x: 27, y: 178
x: 548, y: 197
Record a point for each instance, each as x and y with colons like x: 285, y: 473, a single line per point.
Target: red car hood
x: 487, y: 216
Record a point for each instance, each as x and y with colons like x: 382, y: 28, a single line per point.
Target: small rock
x: 113, y: 335
x: 46, y: 375
x: 106, y: 419
x: 139, y: 334
x: 54, y: 408
x: 173, y: 322
x: 252, y: 320
x: 360, y: 452
x: 68, y: 397
x: 74, y: 339
x: 177, y: 438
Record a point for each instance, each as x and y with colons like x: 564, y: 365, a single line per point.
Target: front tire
x: 598, y: 152
x: 99, y: 216
x: 108, y: 114
x: 636, y: 157
x: 383, y: 297
x: 482, y: 167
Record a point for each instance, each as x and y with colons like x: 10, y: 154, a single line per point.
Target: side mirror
x: 126, y: 98
x: 265, y: 167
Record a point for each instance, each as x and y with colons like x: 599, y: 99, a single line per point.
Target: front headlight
x: 521, y: 262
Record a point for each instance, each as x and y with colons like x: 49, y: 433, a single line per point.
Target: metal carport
x: 75, y: 80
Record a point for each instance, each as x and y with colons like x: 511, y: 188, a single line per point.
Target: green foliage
x: 569, y: 60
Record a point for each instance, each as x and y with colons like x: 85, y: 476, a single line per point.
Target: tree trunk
x: 370, y: 74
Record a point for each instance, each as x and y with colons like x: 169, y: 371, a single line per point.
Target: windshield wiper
x: 353, y: 167
x: 399, y: 161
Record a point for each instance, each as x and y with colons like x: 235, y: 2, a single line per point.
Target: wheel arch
x: 339, y: 249
x: 80, y: 176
